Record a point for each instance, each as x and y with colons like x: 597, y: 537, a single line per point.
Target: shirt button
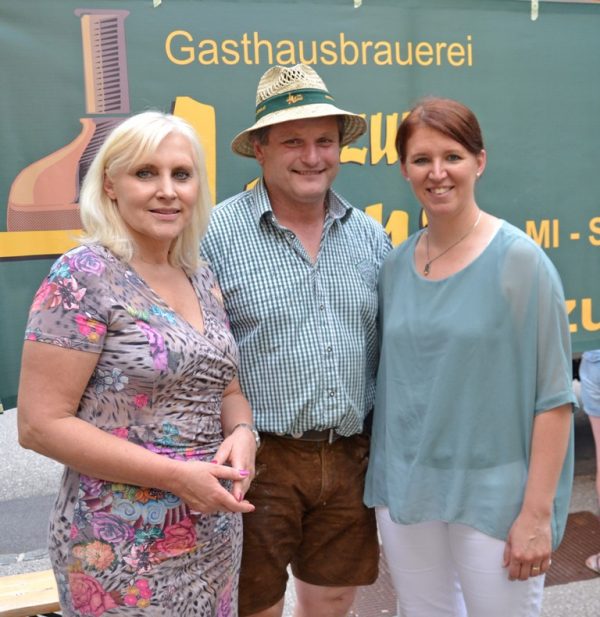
x: 321, y: 307
x: 291, y: 235
x: 331, y: 392
x: 329, y: 349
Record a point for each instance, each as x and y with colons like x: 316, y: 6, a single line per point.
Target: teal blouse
x: 466, y: 364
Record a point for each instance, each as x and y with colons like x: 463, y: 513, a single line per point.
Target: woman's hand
x: 53, y: 380
x: 529, y: 544
x: 239, y: 447
x: 198, y: 485
x: 528, y: 547
x: 239, y: 451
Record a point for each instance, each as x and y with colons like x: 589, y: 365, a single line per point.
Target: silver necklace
x: 429, y: 261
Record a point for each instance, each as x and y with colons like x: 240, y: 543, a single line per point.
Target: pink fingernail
x: 244, y: 472
x: 215, y: 461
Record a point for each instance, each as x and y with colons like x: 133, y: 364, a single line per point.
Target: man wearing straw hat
x: 298, y: 266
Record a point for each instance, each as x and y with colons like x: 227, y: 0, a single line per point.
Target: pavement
x: 28, y: 484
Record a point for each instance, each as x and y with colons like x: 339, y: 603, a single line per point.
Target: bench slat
x: 27, y: 594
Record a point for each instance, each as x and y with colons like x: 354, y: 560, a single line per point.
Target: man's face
x: 300, y: 160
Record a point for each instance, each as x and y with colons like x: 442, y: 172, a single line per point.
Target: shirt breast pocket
x: 260, y: 296
x: 368, y: 273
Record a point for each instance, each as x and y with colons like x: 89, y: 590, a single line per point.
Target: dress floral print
x: 118, y: 549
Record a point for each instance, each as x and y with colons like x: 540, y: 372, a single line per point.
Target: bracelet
x: 251, y: 428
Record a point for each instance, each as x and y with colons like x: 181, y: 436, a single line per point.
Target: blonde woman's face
x: 156, y: 197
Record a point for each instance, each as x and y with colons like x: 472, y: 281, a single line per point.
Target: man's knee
x: 323, y: 601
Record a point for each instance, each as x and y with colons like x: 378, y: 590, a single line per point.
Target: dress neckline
x: 428, y: 279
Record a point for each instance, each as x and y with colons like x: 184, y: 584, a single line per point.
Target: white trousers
x: 452, y: 570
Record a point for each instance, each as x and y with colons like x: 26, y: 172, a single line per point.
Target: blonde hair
x: 126, y: 146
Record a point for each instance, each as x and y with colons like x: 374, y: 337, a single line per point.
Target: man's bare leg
x: 319, y: 601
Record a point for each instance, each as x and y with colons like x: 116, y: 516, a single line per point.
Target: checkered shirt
x: 307, y: 332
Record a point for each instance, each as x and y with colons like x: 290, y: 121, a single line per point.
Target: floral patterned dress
x: 126, y: 550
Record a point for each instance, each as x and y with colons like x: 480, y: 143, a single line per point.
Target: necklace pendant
x: 426, y: 269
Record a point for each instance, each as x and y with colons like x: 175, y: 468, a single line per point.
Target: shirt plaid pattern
x: 307, y: 332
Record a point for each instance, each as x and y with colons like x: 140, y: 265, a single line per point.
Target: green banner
x: 73, y: 70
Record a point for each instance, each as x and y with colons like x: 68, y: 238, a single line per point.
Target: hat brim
x: 354, y: 125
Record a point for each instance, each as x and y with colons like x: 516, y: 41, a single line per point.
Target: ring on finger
x: 535, y: 569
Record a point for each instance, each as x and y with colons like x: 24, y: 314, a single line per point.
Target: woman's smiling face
x: 442, y: 172
x: 156, y: 197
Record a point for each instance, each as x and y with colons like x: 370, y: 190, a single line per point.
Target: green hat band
x: 295, y: 98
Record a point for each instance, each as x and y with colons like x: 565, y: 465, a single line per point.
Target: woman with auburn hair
x: 471, y: 459
x: 129, y: 379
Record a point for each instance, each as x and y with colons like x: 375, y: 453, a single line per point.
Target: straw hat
x: 294, y: 93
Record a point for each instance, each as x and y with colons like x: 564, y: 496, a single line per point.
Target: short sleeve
x: 536, y: 299
x: 554, y: 378
x: 70, y: 308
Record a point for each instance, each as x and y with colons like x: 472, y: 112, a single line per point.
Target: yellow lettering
x: 229, y: 47
x: 352, y: 154
x: 365, y: 45
x: 539, y: 235
x: 302, y: 53
x: 397, y: 226
x: 571, y: 306
x: 424, y: 53
x: 203, y: 118
x: 375, y: 211
x: 587, y: 321
x: 210, y: 55
x: 595, y: 229
x: 397, y: 223
x: 409, y: 54
x: 286, y: 53
x: 438, y: 52
x: 245, y: 45
x: 251, y: 184
x: 383, y: 53
x: 456, y: 54
x: 189, y: 51
x: 344, y: 44
x: 555, y: 233
x: 251, y: 49
x: 328, y: 49
x: 258, y: 43
x: 389, y: 148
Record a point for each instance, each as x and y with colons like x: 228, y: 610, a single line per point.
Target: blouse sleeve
x: 554, y: 372
x: 70, y: 309
x: 537, y: 303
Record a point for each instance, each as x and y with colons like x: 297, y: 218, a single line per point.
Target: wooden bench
x: 32, y: 593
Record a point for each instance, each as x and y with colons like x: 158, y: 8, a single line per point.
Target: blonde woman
x: 129, y: 379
